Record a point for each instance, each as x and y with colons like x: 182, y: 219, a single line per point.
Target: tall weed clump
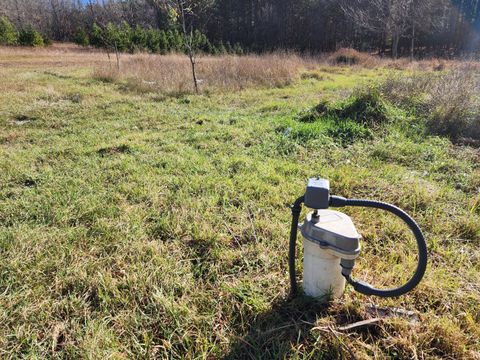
x: 454, y: 106
x: 444, y: 104
x: 448, y: 103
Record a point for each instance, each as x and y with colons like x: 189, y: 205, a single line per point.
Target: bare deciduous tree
x: 184, y: 13
x: 383, y: 17
x: 423, y: 16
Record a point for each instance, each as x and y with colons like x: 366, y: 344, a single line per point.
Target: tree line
x: 389, y: 27
x: 124, y: 38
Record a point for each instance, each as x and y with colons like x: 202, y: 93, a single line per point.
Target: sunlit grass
x: 143, y: 225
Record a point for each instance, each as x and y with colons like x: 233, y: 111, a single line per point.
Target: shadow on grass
x: 287, y: 323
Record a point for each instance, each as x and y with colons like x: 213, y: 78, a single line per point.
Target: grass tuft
x: 121, y: 149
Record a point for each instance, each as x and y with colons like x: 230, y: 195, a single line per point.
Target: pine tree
x: 30, y: 37
x: 96, y: 36
x: 8, y: 33
x: 82, y: 38
x: 153, y: 40
x: 139, y: 38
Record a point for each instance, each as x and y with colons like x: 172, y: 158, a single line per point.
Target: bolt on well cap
x: 333, y: 231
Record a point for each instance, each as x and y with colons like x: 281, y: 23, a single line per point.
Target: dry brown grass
x: 352, y: 57
x: 58, y: 55
x: 172, y: 73
x: 449, y: 101
x: 349, y: 57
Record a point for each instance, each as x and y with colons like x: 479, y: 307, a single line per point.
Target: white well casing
x: 328, y: 238
x: 322, y: 274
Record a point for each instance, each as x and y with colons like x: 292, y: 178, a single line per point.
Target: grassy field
x: 135, y: 224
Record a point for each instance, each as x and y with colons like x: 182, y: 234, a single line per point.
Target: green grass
x: 141, y: 226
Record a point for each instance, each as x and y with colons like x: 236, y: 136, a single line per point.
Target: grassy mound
x: 346, y: 121
x: 365, y: 106
x: 347, y: 56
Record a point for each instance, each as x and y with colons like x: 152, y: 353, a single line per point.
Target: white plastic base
x: 322, y: 274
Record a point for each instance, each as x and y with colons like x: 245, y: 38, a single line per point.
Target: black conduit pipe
x: 296, y: 210
x: 367, y: 289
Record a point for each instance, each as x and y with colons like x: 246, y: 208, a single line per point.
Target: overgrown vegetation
x: 444, y: 104
x: 170, y: 74
x: 140, y: 225
x: 449, y: 102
